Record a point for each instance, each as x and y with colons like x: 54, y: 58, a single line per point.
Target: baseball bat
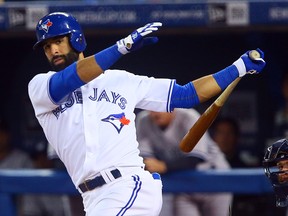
x: 195, y: 133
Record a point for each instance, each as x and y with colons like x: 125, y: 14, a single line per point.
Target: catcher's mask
x: 60, y: 24
x: 275, y: 165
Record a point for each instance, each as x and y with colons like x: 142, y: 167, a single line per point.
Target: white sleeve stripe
x: 170, y: 95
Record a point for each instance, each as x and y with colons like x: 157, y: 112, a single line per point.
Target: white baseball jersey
x: 94, y: 129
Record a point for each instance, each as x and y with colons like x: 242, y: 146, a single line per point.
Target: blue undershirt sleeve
x: 184, y: 96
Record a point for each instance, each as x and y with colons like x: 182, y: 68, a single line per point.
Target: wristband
x: 107, y: 57
x: 226, y: 76
x: 240, y: 67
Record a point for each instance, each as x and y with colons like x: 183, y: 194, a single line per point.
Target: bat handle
x: 254, y: 55
x: 226, y: 93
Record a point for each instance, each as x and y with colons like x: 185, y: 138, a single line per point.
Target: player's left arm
x: 87, y: 69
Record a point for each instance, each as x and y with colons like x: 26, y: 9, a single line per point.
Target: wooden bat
x: 195, y: 133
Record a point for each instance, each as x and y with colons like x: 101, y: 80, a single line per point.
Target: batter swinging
x: 87, y: 113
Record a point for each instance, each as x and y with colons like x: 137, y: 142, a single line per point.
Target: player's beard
x: 69, y: 58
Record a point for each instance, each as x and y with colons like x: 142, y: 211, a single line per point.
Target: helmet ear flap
x: 78, y: 41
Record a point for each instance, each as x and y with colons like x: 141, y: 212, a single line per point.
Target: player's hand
x: 137, y: 38
x: 246, y: 65
x: 154, y: 165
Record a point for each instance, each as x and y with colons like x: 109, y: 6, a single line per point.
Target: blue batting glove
x: 137, y: 39
x: 246, y: 65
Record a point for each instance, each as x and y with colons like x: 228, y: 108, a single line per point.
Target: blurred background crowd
x: 255, y: 115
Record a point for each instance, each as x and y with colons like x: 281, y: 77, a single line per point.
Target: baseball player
x: 86, y: 111
x: 275, y: 165
x: 159, y: 135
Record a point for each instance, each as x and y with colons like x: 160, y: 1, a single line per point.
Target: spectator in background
x: 225, y: 131
x: 45, y: 204
x: 280, y: 124
x: 159, y: 135
x: 11, y: 157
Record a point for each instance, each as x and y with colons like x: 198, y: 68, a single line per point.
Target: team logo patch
x: 117, y: 120
x: 46, y: 25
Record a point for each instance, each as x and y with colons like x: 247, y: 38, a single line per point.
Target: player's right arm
x: 204, y: 88
x: 87, y: 69
x: 209, y: 86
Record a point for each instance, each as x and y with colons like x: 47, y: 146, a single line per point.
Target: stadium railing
x: 237, y: 181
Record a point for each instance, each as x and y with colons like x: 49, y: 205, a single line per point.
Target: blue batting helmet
x: 57, y: 24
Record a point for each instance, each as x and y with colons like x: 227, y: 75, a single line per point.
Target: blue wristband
x: 106, y: 58
x: 226, y: 76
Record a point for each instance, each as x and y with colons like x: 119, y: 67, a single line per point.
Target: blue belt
x: 97, y: 181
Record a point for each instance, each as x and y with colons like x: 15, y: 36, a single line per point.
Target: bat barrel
x: 193, y: 136
x: 191, y: 139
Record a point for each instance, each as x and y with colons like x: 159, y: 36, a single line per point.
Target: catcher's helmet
x: 275, y: 156
x: 57, y: 24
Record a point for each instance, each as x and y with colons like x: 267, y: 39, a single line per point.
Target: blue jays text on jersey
x: 76, y: 97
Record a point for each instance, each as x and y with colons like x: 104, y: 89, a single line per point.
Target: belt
x: 98, y: 181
